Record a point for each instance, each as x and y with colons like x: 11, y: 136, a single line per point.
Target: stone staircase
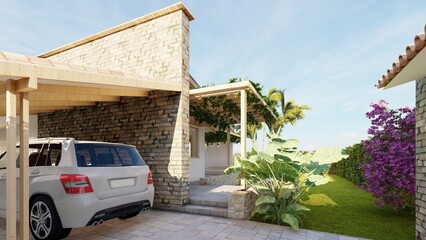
x: 207, y: 207
x: 215, y: 170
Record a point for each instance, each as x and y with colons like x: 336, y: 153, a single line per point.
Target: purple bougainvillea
x: 390, y: 171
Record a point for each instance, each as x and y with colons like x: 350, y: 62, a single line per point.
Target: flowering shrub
x: 390, y: 169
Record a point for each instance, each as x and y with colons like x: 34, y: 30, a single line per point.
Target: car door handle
x: 4, y: 175
x: 35, y: 172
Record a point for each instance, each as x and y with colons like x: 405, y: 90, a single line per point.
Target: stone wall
x: 159, y: 124
x: 241, y: 204
x: 421, y: 158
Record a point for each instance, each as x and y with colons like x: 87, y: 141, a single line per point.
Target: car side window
x: 44, y: 155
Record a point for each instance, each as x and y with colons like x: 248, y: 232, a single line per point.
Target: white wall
x: 216, y: 155
x: 197, y: 165
x: 33, y: 131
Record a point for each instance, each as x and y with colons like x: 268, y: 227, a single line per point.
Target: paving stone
x: 165, y: 225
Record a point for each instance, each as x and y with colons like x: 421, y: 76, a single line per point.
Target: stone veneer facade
x: 421, y: 158
x: 159, y: 124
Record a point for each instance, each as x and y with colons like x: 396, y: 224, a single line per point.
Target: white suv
x: 79, y: 183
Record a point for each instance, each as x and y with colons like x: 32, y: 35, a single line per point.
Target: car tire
x: 45, y: 223
x: 130, y: 215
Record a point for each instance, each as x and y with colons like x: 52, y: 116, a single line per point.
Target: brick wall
x: 421, y: 159
x: 157, y: 125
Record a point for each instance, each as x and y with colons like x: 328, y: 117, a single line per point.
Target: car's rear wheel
x: 44, y: 220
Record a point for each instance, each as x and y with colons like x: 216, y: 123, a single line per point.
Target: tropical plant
x: 290, y: 111
x: 390, y: 169
x: 281, y: 175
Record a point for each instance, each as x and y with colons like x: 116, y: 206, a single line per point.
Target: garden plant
x: 389, y: 171
x: 281, y: 175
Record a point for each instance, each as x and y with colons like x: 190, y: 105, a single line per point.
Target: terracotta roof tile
x: 411, y: 52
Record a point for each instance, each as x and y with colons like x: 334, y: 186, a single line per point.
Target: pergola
x: 237, y: 92
x: 35, y: 85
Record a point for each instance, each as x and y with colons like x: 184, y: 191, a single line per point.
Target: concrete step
x: 207, y: 210
x: 216, y: 167
x: 214, y: 172
x: 208, y: 203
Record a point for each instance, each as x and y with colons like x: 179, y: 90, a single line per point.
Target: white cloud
x: 350, y: 135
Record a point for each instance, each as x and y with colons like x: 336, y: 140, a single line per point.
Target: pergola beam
x: 46, y: 88
x: 24, y: 119
x: 64, y: 74
x: 50, y: 97
x: 11, y: 160
x: 26, y: 84
x: 243, y: 129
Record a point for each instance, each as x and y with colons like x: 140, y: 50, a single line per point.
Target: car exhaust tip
x: 101, y: 221
x: 145, y: 209
x: 95, y: 223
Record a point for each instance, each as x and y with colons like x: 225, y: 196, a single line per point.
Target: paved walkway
x: 156, y: 224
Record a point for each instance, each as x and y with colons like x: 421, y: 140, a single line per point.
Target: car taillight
x: 76, y: 183
x: 150, y: 181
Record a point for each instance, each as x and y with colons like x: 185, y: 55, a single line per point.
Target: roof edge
x: 146, y: 18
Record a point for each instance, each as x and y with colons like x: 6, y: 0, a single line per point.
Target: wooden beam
x: 46, y: 88
x: 24, y: 119
x: 216, y: 94
x: 230, y: 87
x: 35, y: 104
x: 26, y: 84
x: 36, y: 110
x: 243, y: 129
x: 228, y: 147
x: 66, y: 89
x: 57, y: 73
x: 11, y: 160
x: 71, y: 97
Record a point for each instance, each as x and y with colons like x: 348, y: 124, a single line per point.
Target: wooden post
x: 243, y: 105
x: 11, y: 160
x: 24, y: 118
x: 228, y: 147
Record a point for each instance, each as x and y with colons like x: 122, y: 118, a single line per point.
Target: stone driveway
x: 156, y: 224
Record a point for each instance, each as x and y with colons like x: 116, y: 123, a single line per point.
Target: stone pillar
x: 421, y: 159
x: 241, y: 204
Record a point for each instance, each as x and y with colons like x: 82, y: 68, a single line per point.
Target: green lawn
x: 340, y: 207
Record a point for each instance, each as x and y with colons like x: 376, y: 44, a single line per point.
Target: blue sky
x: 326, y: 54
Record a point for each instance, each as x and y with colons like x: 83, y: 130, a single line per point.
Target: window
x: 193, y: 142
x: 103, y: 155
x: 45, y: 154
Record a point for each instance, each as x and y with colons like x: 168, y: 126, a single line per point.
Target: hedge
x: 350, y: 168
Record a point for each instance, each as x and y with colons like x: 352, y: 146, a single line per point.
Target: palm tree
x: 291, y: 112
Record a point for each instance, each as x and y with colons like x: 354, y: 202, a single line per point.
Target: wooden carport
x: 35, y: 85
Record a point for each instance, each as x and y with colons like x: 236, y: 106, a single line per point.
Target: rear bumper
x: 81, y: 210
x: 118, y: 211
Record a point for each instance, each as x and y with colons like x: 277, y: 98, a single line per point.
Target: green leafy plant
x: 351, y: 167
x: 281, y: 175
